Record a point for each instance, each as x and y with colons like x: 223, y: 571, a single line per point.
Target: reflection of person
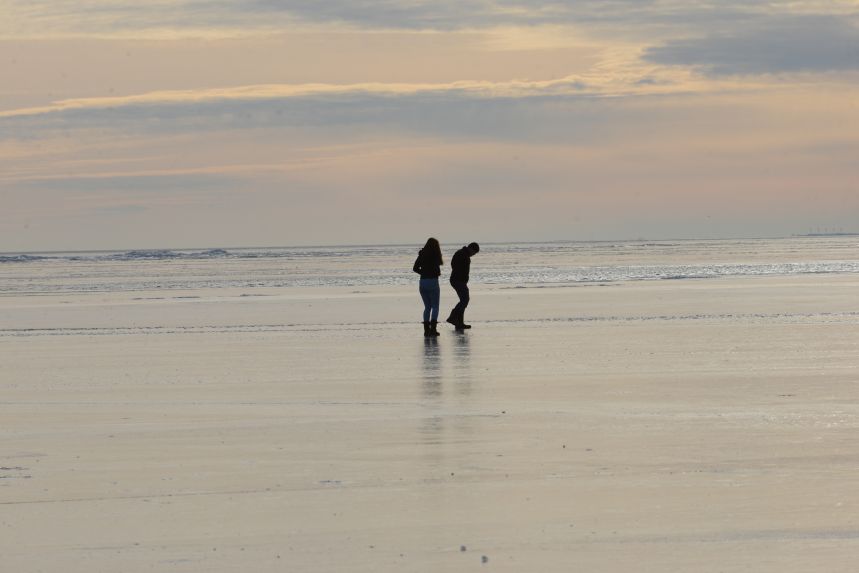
x: 460, y: 264
x: 428, y: 265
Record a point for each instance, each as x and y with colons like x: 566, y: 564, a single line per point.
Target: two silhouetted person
x: 428, y: 266
x: 460, y: 265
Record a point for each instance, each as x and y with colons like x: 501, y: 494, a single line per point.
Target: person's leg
x: 457, y: 315
x: 453, y: 318
x: 464, y: 299
x: 427, y: 298
x: 435, y: 301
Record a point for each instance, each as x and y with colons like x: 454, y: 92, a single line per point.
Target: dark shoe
x: 433, y: 328
x: 461, y: 322
x: 427, y: 332
x: 451, y: 319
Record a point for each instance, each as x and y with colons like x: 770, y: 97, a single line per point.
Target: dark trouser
x: 458, y: 312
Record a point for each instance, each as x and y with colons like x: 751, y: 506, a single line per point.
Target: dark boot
x: 427, y: 332
x: 457, y: 319
x: 434, y: 328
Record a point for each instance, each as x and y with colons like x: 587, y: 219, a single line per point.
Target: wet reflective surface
x: 677, y: 426
x: 511, y: 264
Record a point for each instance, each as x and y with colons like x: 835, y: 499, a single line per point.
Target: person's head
x: 433, y: 249
x: 473, y: 249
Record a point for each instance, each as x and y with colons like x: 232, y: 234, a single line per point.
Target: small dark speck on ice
x: 484, y: 559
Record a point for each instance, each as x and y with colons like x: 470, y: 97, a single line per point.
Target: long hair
x: 432, y: 250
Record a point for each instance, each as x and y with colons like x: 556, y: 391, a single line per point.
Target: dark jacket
x: 460, y: 264
x: 428, y: 269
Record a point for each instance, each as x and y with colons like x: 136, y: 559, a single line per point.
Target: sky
x: 218, y: 123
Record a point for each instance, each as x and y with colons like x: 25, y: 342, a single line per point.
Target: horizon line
x: 352, y: 245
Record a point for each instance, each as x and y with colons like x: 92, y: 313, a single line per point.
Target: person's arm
x: 417, y: 267
x: 455, y: 265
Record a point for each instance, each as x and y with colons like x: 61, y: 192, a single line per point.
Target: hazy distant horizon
x: 420, y: 242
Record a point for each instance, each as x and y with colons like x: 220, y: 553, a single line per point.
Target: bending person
x: 428, y: 265
x: 460, y: 265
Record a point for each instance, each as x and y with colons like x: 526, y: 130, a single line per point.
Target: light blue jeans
x: 431, y: 294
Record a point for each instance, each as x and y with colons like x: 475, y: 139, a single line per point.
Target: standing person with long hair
x: 428, y: 265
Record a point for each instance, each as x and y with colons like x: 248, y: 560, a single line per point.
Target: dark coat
x: 427, y: 268
x: 460, y: 264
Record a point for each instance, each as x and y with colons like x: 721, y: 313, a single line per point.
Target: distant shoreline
x: 828, y: 235
x: 388, y: 245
